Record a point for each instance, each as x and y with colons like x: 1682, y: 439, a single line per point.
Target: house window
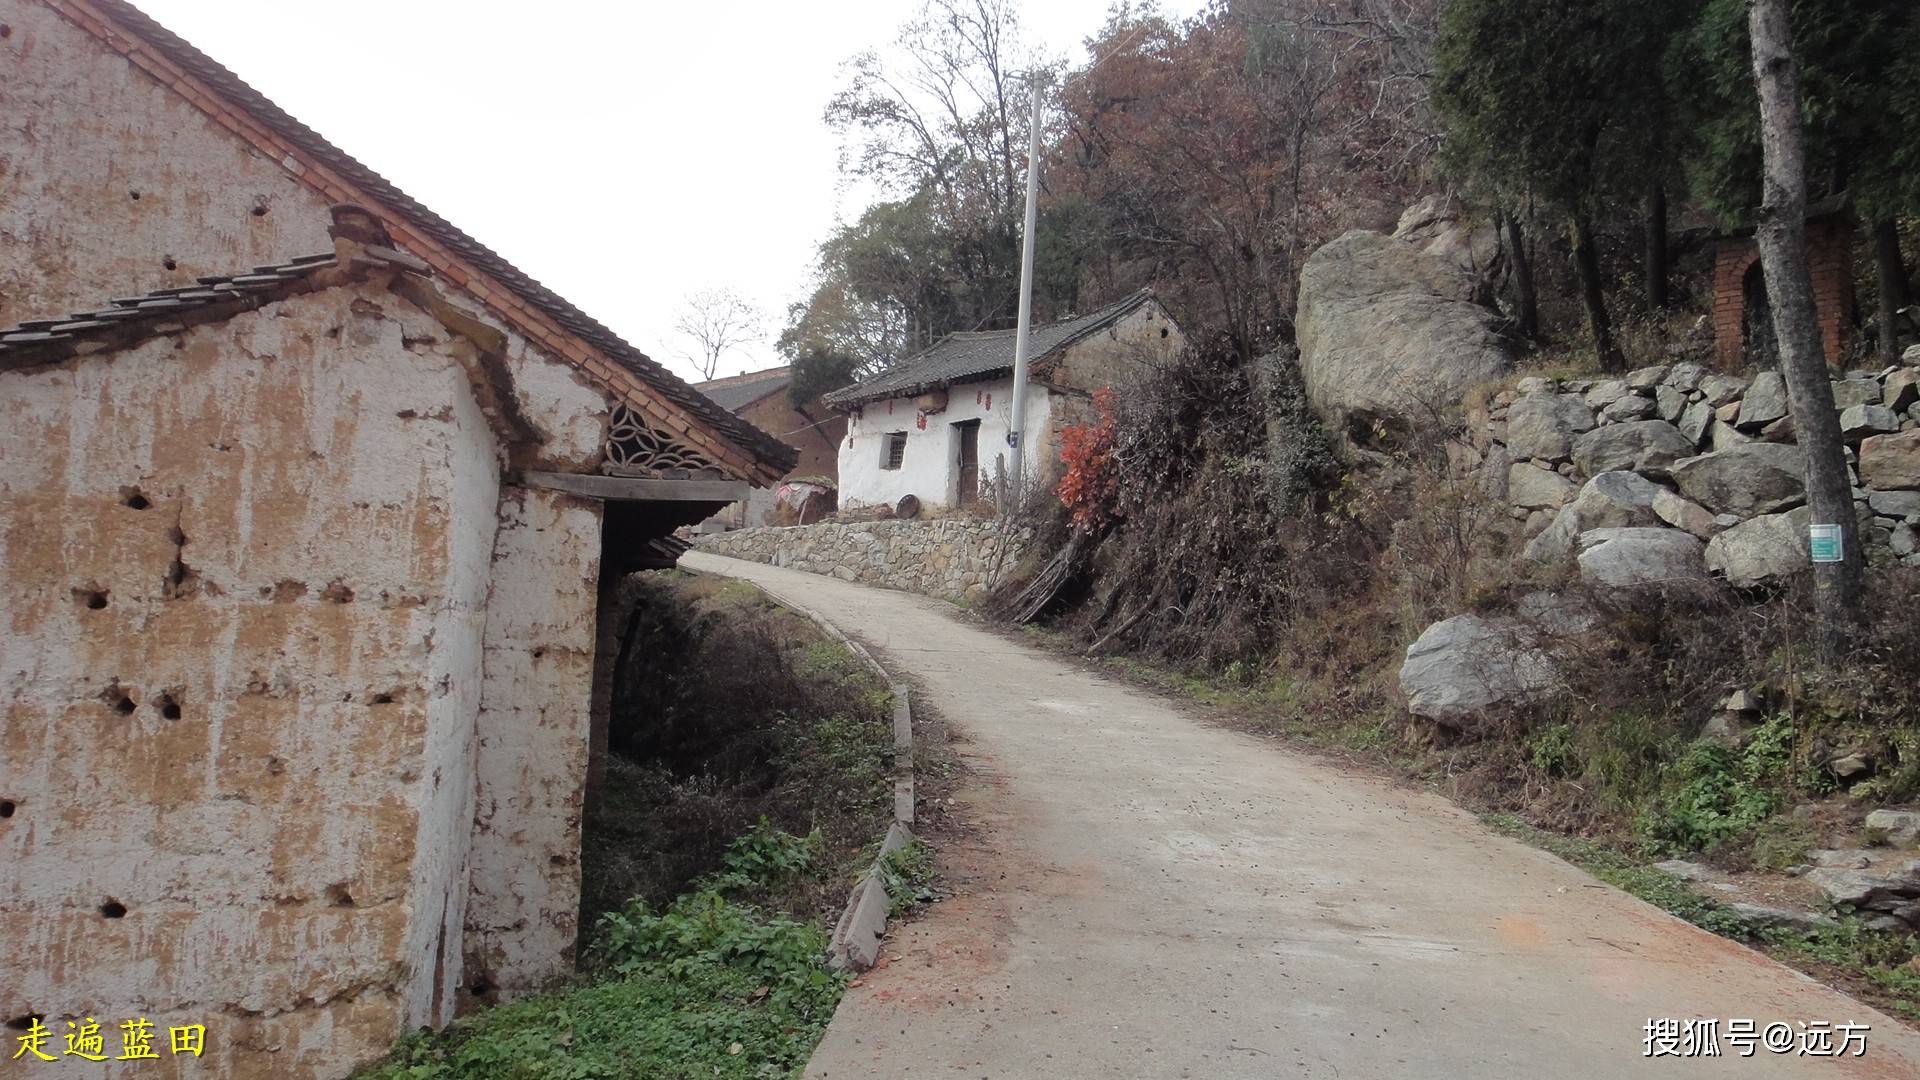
x: 893, y: 449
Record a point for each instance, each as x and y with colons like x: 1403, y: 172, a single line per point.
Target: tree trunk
x: 1782, y: 239
x: 1893, y: 285
x: 1656, y: 268
x: 1587, y: 260
x: 1526, y: 302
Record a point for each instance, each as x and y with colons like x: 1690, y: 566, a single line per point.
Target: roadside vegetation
x: 748, y: 784
x: 1208, y: 541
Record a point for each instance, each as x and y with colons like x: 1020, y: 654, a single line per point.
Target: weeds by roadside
x: 1873, y: 965
x: 710, y: 986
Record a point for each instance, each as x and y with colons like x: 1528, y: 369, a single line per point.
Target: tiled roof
x: 129, y: 319
x: 972, y: 354
x: 739, y: 391
x: 758, y: 443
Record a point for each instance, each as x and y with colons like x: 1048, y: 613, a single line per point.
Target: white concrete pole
x: 1017, y: 430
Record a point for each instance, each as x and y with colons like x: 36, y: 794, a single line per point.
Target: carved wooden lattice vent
x: 635, y: 449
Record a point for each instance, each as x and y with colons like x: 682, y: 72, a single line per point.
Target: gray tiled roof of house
x: 741, y: 391
x: 126, y: 320
x: 973, y: 354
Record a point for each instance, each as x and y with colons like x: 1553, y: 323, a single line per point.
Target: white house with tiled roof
x: 935, y: 425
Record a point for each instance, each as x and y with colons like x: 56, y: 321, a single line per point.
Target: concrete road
x: 1150, y: 896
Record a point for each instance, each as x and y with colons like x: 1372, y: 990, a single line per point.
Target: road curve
x: 1150, y: 896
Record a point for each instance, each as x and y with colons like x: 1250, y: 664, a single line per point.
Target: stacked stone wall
x: 953, y: 558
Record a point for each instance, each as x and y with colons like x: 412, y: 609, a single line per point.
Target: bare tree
x: 717, y: 321
x: 1782, y: 238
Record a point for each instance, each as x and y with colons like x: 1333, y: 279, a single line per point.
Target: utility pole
x: 1017, y: 430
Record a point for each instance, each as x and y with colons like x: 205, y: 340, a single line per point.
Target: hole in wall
x: 259, y: 209
x: 337, y: 592
x: 380, y: 699
x: 22, y: 1023
x: 7, y: 807
x: 338, y: 896
x: 5, y: 31
x: 134, y: 195
x: 169, y: 263
x: 134, y: 499
x: 1163, y: 331
x: 168, y: 705
x: 538, y: 653
x: 91, y: 597
x: 118, y: 699
x: 113, y: 909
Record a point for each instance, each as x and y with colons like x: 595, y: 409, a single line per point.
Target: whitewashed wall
x: 1144, y: 338
x: 930, y: 468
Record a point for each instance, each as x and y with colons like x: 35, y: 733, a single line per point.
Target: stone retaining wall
x: 954, y: 558
x: 1714, y: 455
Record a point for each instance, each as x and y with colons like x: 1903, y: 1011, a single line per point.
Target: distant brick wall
x: 1829, y: 254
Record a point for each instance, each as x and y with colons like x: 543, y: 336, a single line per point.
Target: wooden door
x: 969, y: 462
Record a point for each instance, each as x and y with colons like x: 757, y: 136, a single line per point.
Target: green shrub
x: 1554, y: 752
x: 704, y: 930
x: 1714, y: 796
x: 707, y: 988
x: 1781, y: 842
x: 908, y: 874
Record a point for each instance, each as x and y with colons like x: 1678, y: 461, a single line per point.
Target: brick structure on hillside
x: 1739, y: 294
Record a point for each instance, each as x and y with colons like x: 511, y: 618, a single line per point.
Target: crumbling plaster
x: 306, y: 585
x: 533, y: 738
x: 82, y: 132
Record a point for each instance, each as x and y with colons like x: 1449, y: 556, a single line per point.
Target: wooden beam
x: 640, y: 489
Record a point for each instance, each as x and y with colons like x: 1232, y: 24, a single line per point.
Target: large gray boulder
x: 1544, y: 425
x: 1895, y: 504
x: 1640, y: 557
x: 1891, y: 462
x: 1682, y: 513
x: 1610, y: 500
x: 1631, y: 407
x: 1388, y: 329
x: 1438, y: 226
x: 1860, y: 421
x: 1721, y: 389
x: 1671, y: 402
x: 1643, y: 446
x: 1902, y: 827
x: 1902, y: 389
x: 1761, y: 550
x: 1751, y: 478
x: 1533, y: 488
x: 1461, y: 667
x: 1766, y: 401
x: 1850, y: 392
x: 1695, y: 421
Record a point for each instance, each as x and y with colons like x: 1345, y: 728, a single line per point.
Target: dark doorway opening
x: 1757, y: 343
x: 969, y: 470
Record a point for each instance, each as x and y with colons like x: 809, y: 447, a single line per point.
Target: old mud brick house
x: 303, y: 658
x: 761, y: 399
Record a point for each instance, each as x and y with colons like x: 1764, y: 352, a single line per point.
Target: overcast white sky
x: 625, y: 154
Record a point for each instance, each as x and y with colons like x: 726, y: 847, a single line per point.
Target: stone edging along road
x: 857, y: 936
